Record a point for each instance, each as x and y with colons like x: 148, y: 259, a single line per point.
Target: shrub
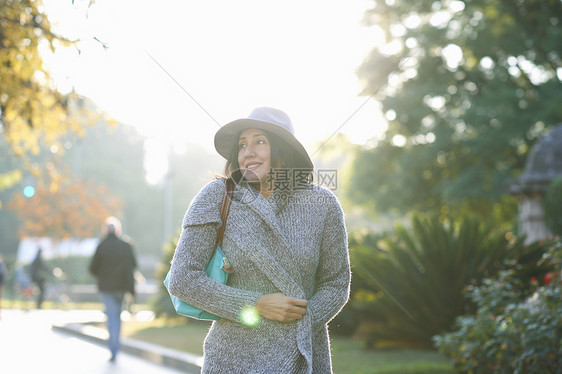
x: 412, y: 283
x: 514, y: 330
x: 161, y: 303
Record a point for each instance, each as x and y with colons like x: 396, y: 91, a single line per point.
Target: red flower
x: 492, y: 317
x: 534, y: 281
x: 549, y: 277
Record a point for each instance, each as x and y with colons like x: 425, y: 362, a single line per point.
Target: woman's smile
x: 253, y: 166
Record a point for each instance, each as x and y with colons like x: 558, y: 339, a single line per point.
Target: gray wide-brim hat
x: 269, y: 119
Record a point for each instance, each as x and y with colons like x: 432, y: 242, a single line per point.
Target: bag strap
x: 225, y: 208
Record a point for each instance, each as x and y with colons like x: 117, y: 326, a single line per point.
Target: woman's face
x: 254, y: 154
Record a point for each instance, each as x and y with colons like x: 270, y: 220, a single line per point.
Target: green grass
x: 171, y: 333
x: 349, y: 357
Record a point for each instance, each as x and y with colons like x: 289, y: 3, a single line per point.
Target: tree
x: 30, y: 106
x: 32, y: 111
x: 75, y: 209
x: 471, y: 86
x: 114, y: 155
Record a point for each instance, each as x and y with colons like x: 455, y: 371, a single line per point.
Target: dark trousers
x: 41, y: 295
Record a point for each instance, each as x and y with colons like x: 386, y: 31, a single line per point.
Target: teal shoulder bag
x: 218, y: 267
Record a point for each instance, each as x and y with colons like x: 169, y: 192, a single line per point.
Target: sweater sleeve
x: 188, y: 280
x: 333, y: 275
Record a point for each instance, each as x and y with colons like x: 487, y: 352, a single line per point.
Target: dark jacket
x: 39, y: 270
x: 113, y: 265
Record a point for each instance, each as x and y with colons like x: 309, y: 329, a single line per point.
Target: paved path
x: 29, y: 345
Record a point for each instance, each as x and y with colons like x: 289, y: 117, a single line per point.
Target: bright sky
x: 230, y: 56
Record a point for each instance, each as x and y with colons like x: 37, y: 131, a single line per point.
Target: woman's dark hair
x: 282, y: 156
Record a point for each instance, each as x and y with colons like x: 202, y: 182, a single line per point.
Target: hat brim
x: 227, y: 137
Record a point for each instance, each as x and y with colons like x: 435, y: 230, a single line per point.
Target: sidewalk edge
x: 152, y: 352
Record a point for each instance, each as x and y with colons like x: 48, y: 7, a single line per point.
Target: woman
x: 285, y: 239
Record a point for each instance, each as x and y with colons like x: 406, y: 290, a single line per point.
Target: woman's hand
x: 281, y: 308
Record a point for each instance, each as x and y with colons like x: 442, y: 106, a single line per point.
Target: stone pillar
x: 543, y: 165
x: 531, y: 218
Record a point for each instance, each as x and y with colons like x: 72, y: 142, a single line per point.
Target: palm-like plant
x: 410, y: 286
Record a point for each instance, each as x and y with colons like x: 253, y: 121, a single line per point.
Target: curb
x: 157, y: 354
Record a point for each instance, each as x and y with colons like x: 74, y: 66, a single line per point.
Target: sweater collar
x: 247, y: 194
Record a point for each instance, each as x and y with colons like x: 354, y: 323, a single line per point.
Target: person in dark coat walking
x: 39, y: 275
x: 113, y: 265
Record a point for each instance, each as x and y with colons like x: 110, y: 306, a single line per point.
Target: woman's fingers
x: 298, y: 302
x: 278, y: 307
x: 298, y: 310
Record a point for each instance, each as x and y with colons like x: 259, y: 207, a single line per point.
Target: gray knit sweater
x: 293, y: 243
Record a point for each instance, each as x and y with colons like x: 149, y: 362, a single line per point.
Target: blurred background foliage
x: 70, y: 211
x: 33, y: 113
x: 466, y: 87
x: 101, y: 174
x: 161, y: 304
x: 409, y: 285
x: 30, y: 107
x: 516, y: 328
